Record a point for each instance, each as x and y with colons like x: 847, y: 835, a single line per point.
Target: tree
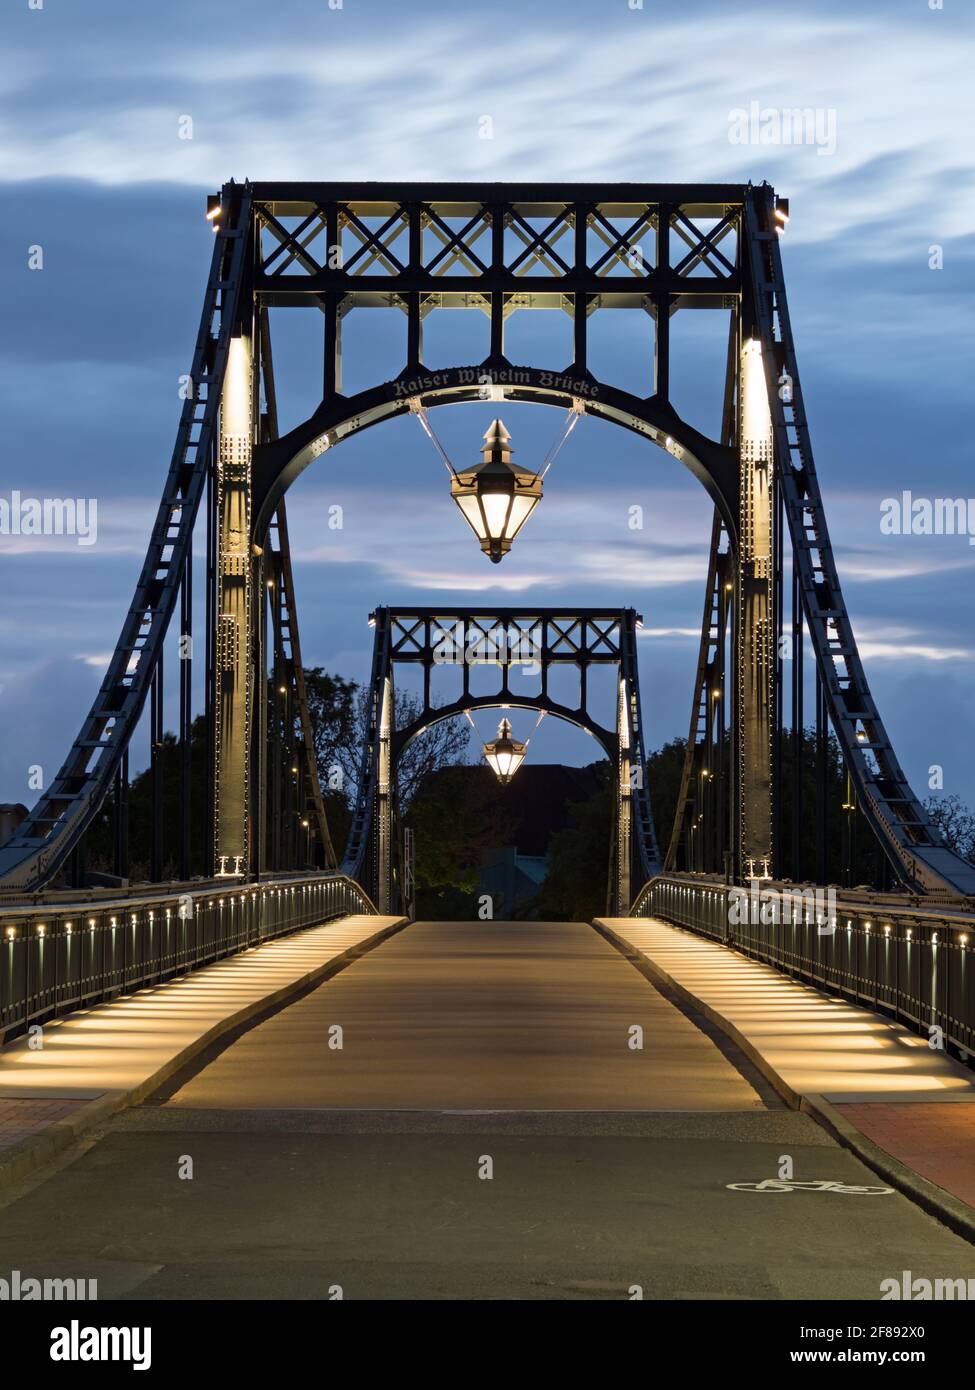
x: 444, y: 744
x: 956, y: 822
x: 575, y: 885
x: 332, y: 707
x: 338, y: 711
x: 664, y: 768
x: 100, y: 847
x: 456, y: 814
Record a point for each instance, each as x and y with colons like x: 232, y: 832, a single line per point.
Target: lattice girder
x: 508, y: 639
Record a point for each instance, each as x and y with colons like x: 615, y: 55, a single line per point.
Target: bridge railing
x: 906, y: 958
x: 64, y: 951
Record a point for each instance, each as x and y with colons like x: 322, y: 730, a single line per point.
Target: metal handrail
x: 959, y: 912
x: 70, y: 951
x: 895, y: 954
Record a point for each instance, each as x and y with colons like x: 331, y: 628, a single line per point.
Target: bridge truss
x: 489, y: 249
x: 524, y: 646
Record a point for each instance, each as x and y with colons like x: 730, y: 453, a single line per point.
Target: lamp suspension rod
x: 418, y: 409
x: 573, y: 415
x: 541, y: 715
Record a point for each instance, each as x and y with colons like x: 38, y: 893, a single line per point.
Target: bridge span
x: 484, y: 1110
x: 254, y: 1074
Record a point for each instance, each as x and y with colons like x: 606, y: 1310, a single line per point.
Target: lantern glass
x: 522, y: 506
x: 468, y: 504
x: 505, y: 755
x: 496, y: 496
x: 496, y: 507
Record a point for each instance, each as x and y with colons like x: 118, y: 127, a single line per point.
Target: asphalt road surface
x: 513, y: 1112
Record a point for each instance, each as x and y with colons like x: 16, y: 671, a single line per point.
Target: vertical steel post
x: 233, y: 666
x: 718, y: 696
x: 624, y: 804
x: 777, y: 672
x: 185, y: 718
x: 122, y: 818
x: 383, y: 810
x: 210, y: 666
x: 798, y: 741
x: 822, y: 780
x: 293, y: 784
x: 409, y: 874
x: 258, y: 776
x: 661, y: 311
x: 280, y: 754
x: 756, y: 615
x: 156, y: 690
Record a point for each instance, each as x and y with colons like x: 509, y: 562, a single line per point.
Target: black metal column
x: 186, y: 720
x: 156, y: 705
x: 798, y: 638
x: 822, y: 781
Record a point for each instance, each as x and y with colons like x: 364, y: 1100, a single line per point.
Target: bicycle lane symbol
x: 818, y: 1185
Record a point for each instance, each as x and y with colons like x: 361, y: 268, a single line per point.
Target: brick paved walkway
x: 21, y: 1119
x: 936, y: 1140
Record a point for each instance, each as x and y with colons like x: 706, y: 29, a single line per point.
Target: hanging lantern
x: 505, y: 754
x: 496, y: 496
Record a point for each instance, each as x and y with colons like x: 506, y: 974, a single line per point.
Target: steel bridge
x: 488, y: 249
x: 509, y: 640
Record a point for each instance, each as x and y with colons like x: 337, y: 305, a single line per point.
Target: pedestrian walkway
x: 86, y: 1065
x: 868, y: 1077
x: 502, y: 1016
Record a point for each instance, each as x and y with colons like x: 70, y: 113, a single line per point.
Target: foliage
x: 101, y: 835
x: 956, y: 822
x: 455, y: 816
x: 664, y: 768
x: 575, y: 885
x: 852, y: 855
x: 460, y: 812
x: 333, y: 710
x: 340, y: 718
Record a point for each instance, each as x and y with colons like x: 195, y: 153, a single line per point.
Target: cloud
x: 883, y: 566
x: 880, y: 641
x: 560, y: 99
x: 41, y: 707
x: 92, y: 168
x: 910, y: 651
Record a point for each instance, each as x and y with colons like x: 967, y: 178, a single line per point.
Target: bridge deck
x: 479, y: 1016
x: 310, y: 1170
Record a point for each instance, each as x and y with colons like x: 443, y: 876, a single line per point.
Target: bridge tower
x: 508, y: 641
x: 492, y: 249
